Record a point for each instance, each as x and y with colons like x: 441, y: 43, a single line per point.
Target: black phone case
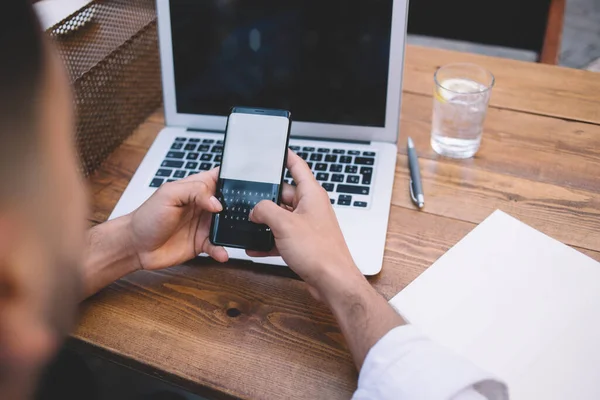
x: 233, y: 193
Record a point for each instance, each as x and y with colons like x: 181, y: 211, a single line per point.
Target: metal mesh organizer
x: 110, y: 50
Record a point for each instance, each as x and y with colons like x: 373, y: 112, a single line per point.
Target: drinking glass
x: 460, y: 102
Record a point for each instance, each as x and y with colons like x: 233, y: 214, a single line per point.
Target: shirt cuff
x: 405, y: 364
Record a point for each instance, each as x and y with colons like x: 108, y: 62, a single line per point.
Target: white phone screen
x: 255, y: 148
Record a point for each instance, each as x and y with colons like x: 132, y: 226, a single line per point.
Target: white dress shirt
x: 406, y: 365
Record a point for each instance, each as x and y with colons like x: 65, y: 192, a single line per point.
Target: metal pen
x: 415, y: 185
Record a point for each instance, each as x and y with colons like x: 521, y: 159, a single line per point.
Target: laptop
x: 335, y: 64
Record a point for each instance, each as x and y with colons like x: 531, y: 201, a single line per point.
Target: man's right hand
x: 309, y: 239
x: 307, y: 234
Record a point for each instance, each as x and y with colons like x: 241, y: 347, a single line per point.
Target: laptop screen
x: 324, y: 60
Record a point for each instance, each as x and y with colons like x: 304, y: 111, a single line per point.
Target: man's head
x: 42, y: 202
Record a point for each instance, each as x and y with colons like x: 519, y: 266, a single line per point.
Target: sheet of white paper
x: 518, y: 304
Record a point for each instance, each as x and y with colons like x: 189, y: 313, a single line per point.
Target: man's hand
x: 307, y: 234
x: 309, y: 239
x: 173, y: 225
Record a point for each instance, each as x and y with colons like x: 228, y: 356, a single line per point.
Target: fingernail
x: 216, y: 203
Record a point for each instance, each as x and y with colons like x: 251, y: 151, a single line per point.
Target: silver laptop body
x: 336, y: 65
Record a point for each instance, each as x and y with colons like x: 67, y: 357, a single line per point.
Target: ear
x: 8, y: 242
x: 25, y: 342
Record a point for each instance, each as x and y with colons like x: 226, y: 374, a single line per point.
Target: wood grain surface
x: 539, y: 161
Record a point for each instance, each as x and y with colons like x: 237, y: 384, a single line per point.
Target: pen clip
x: 412, y: 193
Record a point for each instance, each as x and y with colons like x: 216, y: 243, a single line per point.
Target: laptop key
x: 316, y: 157
x: 288, y: 174
x: 322, y: 176
x: 337, y: 178
x: 303, y: 155
x: 331, y: 158
x: 180, y: 174
x: 194, y: 140
x: 205, y: 166
x: 217, y: 149
x: 360, y: 204
x: 175, y: 154
x: 191, y: 165
x: 328, y: 186
x: 332, y: 201
x: 172, y: 164
x: 354, y: 152
x: 206, y: 157
x: 353, y: 179
x: 171, y: 180
x: 220, y: 142
x: 193, y: 173
x: 192, y: 156
x: 180, y: 139
x: 344, y: 200
x: 310, y: 165
x: 156, y: 182
x: 294, y: 148
x: 190, y: 147
x: 323, y: 150
x: 351, y: 169
x: 218, y: 158
x: 366, y: 180
x: 209, y: 141
x: 177, y: 146
x: 203, y: 148
x: 364, y: 161
x: 345, y: 159
x: 339, y: 151
x: 308, y: 149
x: 164, y: 172
x: 336, y: 168
x: 353, y: 189
x: 321, y: 167
x: 369, y: 153
x: 366, y: 170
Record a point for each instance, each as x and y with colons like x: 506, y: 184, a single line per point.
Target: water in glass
x: 459, y: 109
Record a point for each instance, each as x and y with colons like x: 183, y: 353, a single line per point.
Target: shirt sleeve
x: 406, y: 365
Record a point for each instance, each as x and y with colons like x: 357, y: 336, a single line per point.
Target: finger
x: 209, y: 177
x: 288, y: 193
x: 269, y: 213
x: 218, y: 253
x: 299, y: 169
x: 190, y: 192
x: 259, y: 254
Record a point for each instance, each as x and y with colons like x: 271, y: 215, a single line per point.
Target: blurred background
x: 564, y: 32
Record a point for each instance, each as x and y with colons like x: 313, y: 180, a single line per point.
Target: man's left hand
x: 173, y: 225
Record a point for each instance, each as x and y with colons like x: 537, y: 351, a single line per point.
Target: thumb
x: 268, y: 213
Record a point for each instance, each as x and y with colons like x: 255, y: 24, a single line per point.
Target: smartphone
x: 254, y: 159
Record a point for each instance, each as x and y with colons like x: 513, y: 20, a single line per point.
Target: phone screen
x: 254, y: 155
x: 255, y: 148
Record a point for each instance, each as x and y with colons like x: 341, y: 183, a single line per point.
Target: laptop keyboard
x: 345, y: 174
x: 186, y: 157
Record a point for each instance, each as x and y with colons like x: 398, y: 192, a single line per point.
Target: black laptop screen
x: 324, y: 60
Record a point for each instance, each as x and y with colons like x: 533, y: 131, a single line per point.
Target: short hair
x: 22, y: 62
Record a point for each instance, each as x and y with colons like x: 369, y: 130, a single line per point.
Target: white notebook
x: 517, y: 303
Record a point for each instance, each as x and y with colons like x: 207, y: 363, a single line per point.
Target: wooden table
x: 539, y: 161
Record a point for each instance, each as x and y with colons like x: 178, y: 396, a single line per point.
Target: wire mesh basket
x: 110, y: 50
